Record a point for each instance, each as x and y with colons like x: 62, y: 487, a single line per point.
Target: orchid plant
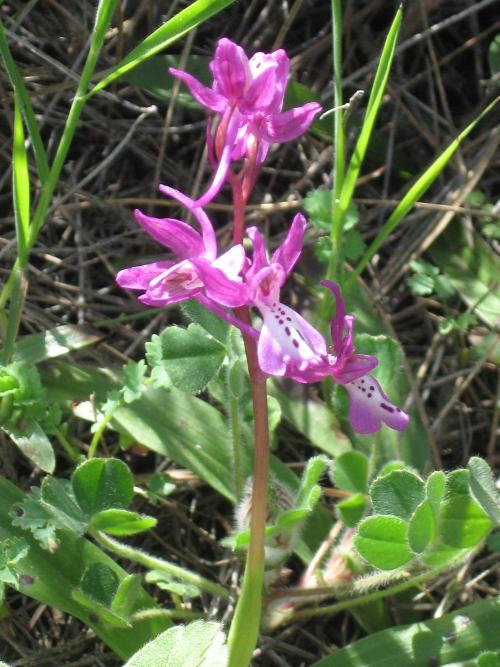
x: 393, y: 528
x: 246, y: 99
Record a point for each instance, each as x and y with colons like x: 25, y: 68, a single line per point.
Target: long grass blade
x: 26, y: 108
x: 176, y: 27
x: 376, y: 94
x: 20, y: 185
x: 415, y: 192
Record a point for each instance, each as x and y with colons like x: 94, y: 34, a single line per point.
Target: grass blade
x: 27, y: 110
x: 415, y: 192
x: 376, y: 94
x: 20, y: 185
x: 176, y: 27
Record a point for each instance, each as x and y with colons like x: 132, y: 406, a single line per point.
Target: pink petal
x: 180, y: 237
x: 230, y: 69
x: 288, y: 125
x: 205, y: 96
x: 139, y: 277
x: 280, y: 63
x: 369, y: 407
x: 207, y: 230
x: 261, y: 92
x: 270, y: 354
x: 289, y: 251
x: 259, y: 255
x: 232, y: 261
x: 357, y: 366
x: 219, y: 287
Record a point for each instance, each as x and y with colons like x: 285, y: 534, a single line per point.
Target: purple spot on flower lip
x: 398, y: 409
x: 287, y: 331
x: 295, y: 342
x: 281, y: 322
x: 362, y: 381
x: 288, y: 319
x: 386, y: 407
x: 369, y: 394
x: 372, y: 388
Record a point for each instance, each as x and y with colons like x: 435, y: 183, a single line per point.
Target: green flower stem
x: 96, y: 438
x: 235, y: 441
x: 178, y: 614
x: 155, y: 563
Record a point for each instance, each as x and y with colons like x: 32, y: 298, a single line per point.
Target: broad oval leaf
x: 463, y: 523
x: 422, y: 529
x: 350, y: 472
x: 482, y: 485
x: 100, y: 484
x: 32, y: 441
x: 398, y: 493
x: 383, y: 542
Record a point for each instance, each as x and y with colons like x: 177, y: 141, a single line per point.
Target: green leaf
x: 351, y: 509
x: 100, y: 484
x: 199, y: 644
x: 422, y: 528
x: 50, y: 578
x: 121, y: 522
x: 310, y: 477
x: 442, y: 556
x: 350, y: 472
x: 383, y: 542
x: 152, y: 76
x: 168, y: 583
x: 29, y: 436
x: 463, y: 523
x: 31, y: 515
x: 126, y: 596
x: 57, y: 497
x: 32, y: 349
x: 494, y: 55
x: 354, y: 244
x: 12, y: 550
x: 489, y: 659
x: 374, y: 102
x: 20, y: 186
x: 415, y: 193
x: 212, y: 324
x: 493, y: 542
x: 399, y: 493
x: 196, y: 13
x: 23, y: 100
x: 450, y: 640
x: 483, y: 488
x: 190, y: 357
x: 435, y: 487
x: 134, y: 374
x: 472, y: 267
x: 421, y: 284
x: 458, y: 482
x: 100, y: 583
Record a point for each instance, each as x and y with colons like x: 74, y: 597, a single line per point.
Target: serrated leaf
x: 350, y: 472
x: 57, y: 497
x: 383, y: 542
x: 133, y: 377
x: 351, y: 509
x: 422, y: 529
x: 353, y: 244
x: 199, y: 644
x: 32, y: 441
x: 483, y: 488
x: 100, y: 484
x: 463, y: 523
x: 12, y: 550
x: 121, y: 522
x: 398, y: 493
x: 421, y: 284
x: 31, y: 515
x: 190, y: 357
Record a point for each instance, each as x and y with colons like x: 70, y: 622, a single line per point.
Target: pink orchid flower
x: 248, y: 96
x: 167, y: 282
x: 290, y: 347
